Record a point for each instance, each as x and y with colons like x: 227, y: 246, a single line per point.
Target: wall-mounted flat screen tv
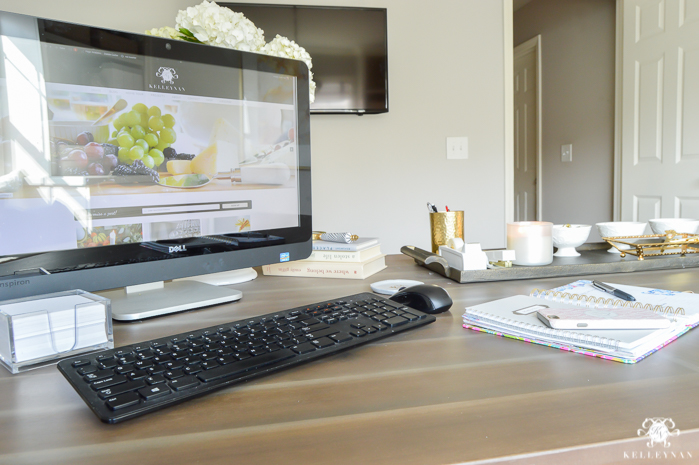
x: 349, y: 48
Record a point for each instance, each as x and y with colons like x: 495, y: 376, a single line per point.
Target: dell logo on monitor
x: 177, y: 248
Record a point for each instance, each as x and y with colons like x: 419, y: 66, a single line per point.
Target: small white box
x: 40, y: 330
x: 471, y: 259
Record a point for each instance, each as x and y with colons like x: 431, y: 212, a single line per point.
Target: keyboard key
x: 323, y: 342
x: 191, y: 370
x: 395, y: 321
x: 127, y: 359
x: 108, y: 382
x: 323, y: 333
x: 123, y: 401
x: 341, y: 337
x: 109, y: 363
x: 162, y: 359
x: 186, y: 382
x: 121, y: 388
x: 87, y: 369
x: 258, y: 351
x: 358, y: 333
x: 303, y: 348
x: 243, y: 366
x: 173, y: 374
x: 80, y: 363
x: 143, y: 364
x: 226, y: 359
x: 209, y: 365
x: 153, y: 392
x: 157, y: 379
x: 138, y: 374
x: 156, y: 369
x: 101, y: 374
x: 146, y: 354
x: 314, y: 328
x: 122, y: 370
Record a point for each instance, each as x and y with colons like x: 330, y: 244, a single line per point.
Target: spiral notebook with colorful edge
x: 578, y: 293
x: 578, y: 350
x: 681, y: 305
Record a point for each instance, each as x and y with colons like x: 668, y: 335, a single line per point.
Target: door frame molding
x: 509, y: 149
x: 526, y: 47
x: 618, y: 106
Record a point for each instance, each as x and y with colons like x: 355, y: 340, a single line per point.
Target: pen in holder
x: 445, y: 226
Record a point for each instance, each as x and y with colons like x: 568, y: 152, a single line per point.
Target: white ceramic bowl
x: 679, y: 225
x: 621, y: 228
x: 566, y: 237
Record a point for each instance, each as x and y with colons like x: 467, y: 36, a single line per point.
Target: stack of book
x: 356, y: 260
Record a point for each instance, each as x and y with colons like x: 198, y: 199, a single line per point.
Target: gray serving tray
x: 593, y: 259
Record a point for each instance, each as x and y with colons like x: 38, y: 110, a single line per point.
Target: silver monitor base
x: 224, y: 278
x: 169, y: 298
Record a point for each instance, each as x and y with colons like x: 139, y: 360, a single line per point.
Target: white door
x: 660, y: 110
x: 527, y: 130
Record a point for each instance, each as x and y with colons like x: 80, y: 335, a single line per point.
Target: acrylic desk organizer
x: 40, y: 330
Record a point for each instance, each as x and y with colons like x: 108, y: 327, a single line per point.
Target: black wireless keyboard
x: 129, y: 381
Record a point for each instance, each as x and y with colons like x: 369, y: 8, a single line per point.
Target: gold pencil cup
x: 445, y: 226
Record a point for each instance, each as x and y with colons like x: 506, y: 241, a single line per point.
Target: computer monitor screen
x: 127, y: 159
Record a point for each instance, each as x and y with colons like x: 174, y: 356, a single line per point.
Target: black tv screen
x: 349, y: 48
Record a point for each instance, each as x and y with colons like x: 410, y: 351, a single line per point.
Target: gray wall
x: 578, y: 48
x: 372, y: 175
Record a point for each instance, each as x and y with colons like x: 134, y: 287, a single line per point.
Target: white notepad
x: 516, y: 317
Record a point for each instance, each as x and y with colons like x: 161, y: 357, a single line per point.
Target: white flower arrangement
x: 210, y: 24
x: 282, y: 47
x: 165, y: 32
x: 214, y: 25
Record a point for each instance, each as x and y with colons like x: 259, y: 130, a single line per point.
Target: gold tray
x: 654, y: 245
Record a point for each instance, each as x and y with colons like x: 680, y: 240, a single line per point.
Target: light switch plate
x: 457, y: 148
x: 567, y: 153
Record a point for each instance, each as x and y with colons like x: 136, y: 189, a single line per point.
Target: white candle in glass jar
x: 532, y: 242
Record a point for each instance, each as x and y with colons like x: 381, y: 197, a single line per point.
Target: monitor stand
x: 155, y: 299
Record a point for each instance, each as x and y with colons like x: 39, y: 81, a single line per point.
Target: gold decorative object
x: 334, y: 237
x: 445, y: 226
x: 653, y: 245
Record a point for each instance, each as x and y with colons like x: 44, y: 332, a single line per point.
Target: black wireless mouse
x: 427, y: 298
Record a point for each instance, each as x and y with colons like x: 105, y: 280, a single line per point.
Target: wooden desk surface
x: 438, y: 394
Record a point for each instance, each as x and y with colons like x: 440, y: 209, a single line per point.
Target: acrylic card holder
x: 40, y: 330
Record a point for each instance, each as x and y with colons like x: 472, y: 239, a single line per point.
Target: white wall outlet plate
x: 457, y: 148
x: 567, y: 152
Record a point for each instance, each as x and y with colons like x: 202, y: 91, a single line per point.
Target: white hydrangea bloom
x: 280, y: 46
x: 215, y: 25
x: 166, y: 32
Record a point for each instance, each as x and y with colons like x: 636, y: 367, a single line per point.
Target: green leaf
x: 186, y: 32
